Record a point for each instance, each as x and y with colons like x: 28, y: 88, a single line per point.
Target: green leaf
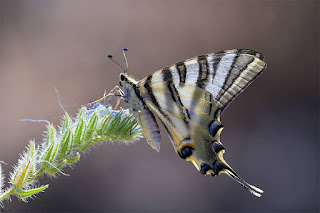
x: 51, y: 150
x: 30, y: 192
x: 51, y: 135
x: 111, y: 124
x: 67, y: 123
x: 32, y: 153
x: 58, y: 168
x: 86, y: 146
x: 82, y: 113
x: 92, y: 125
x: 79, y: 133
x: 22, y: 177
x: 73, y: 160
x: 66, y: 144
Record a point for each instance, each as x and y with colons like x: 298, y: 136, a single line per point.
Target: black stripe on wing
x: 182, y: 71
x: 147, y: 86
x: 241, y: 51
x: 203, y: 75
x: 230, y: 75
x: 240, y: 76
x: 175, y: 96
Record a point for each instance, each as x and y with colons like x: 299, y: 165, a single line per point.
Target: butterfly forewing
x: 224, y: 74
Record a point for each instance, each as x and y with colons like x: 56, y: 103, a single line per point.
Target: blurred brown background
x: 271, y: 130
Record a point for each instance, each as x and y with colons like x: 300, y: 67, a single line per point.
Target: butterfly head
x: 126, y: 79
x: 128, y: 85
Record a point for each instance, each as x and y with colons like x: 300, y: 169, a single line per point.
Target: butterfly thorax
x: 132, y: 95
x: 128, y: 84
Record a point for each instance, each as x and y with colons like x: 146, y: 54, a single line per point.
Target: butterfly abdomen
x: 139, y: 108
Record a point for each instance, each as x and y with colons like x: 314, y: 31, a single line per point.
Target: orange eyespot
x: 186, y: 150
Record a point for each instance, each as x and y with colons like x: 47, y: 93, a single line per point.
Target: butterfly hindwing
x: 199, y: 129
x: 170, y: 113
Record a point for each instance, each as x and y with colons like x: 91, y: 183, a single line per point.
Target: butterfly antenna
x: 110, y: 57
x: 125, y: 57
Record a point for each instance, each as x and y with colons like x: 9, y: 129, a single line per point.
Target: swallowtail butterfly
x: 189, y: 98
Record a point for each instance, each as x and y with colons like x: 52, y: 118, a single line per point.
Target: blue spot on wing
x: 214, y: 128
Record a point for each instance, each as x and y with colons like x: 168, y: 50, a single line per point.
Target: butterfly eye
x: 185, y: 152
x: 122, y: 77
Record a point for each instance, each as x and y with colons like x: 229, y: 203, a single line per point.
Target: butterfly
x: 189, y: 98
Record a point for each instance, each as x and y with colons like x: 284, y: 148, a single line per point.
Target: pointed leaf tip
x: 28, y: 193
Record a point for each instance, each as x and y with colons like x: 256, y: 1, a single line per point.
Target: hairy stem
x: 62, y: 146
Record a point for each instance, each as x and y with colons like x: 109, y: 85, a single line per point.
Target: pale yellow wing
x: 224, y: 74
x: 192, y: 119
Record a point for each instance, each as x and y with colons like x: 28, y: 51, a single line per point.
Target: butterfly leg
x: 134, y: 121
x: 114, y: 109
x: 111, y: 93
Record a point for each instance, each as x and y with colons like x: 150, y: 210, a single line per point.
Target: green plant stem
x: 7, y: 194
x: 63, y: 147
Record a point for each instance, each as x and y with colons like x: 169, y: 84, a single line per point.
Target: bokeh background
x: 271, y: 130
